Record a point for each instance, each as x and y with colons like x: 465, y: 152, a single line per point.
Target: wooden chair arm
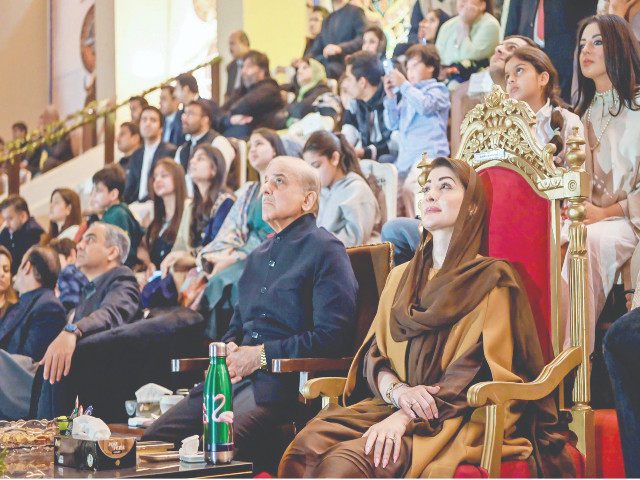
x: 290, y: 365
x: 278, y: 365
x: 498, y: 393
x: 329, y: 388
x: 188, y: 364
x: 494, y: 395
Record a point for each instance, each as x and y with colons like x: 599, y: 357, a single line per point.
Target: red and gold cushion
x: 518, y: 468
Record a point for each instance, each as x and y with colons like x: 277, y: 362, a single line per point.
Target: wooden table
x: 162, y: 470
x: 173, y: 469
x: 41, y: 465
x: 124, y: 430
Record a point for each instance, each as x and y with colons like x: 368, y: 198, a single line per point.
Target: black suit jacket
x: 22, y: 240
x: 109, y: 301
x: 32, y: 324
x: 262, y: 101
x: 232, y: 73
x: 297, y: 297
x: 560, y: 26
x: 176, y: 137
x: 344, y: 28
x: 185, y: 149
x: 135, y: 169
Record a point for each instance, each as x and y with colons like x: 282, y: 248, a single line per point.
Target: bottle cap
x: 217, y: 349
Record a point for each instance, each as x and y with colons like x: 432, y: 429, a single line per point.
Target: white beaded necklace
x: 611, y: 107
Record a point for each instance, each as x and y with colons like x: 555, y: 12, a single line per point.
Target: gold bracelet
x: 263, y: 360
x: 390, y: 390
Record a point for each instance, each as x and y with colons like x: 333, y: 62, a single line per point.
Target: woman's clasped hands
x: 385, y: 437
x: 417, y: 402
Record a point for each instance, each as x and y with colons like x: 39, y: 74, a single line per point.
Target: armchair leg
x: 493, y: 437
x: 583, y: 425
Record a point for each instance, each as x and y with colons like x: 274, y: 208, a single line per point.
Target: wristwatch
x: 73, y: 328
x: 263, y: 360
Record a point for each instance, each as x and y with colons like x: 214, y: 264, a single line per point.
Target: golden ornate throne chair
x: 524, y: 192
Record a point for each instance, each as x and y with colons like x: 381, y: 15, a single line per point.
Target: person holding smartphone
x: 418, y: 107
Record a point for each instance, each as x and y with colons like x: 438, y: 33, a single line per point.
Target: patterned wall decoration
x: 392, y: 15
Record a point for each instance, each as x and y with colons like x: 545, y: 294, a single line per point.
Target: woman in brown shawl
x: 447, y: 319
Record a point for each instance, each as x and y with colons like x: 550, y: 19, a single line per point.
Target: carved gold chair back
x: 526, y: 192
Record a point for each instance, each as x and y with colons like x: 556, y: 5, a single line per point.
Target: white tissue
x: 189, y: 445
x: 89, y: 427
x: 151, y: 392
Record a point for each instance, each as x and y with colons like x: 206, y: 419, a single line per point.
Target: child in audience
x: 169, y: 192
x: 107, y: 204
x: 420, y: 116
x: 608, y: 81
x: 21, y: 230
x: 211, y: 204
x: 65, y: 214
x: 348, y: 208
x: 532, y: 78
x: 71, y: 280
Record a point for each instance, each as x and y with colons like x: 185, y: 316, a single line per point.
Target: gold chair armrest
x: 493, y: 396
x: 498, y: 393
x: 293, y: 365
x: 329, y: 388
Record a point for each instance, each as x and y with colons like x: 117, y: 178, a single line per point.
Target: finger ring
x: 409, y: 404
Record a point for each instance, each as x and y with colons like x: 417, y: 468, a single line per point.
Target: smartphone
x: 388, y: 67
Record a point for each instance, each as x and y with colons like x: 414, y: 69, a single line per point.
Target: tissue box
x: 113, y: 453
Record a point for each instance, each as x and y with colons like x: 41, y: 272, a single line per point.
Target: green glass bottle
x: 217, y: 408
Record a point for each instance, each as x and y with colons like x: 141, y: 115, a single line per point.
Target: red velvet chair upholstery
x: 519, y: 230
x: 519, y: 225
x: 519, y: 468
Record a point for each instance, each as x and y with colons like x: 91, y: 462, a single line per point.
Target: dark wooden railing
x: 105, y: 109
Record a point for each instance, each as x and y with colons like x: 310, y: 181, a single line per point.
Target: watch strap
x: 263, y: 360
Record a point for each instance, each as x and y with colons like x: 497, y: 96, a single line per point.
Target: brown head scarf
x: 424, y: 311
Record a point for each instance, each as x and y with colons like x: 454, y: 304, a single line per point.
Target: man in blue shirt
x: 297, y: 299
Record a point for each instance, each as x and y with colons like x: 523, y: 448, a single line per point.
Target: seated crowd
x: 264, y: 261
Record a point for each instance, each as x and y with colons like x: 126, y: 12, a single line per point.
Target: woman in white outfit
x: 608, y: 102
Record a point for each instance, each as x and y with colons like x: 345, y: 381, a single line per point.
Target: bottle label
x: 218, y: 424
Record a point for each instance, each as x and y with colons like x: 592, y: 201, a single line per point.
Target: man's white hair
x: 307, y: 176
x: 116, y: 237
